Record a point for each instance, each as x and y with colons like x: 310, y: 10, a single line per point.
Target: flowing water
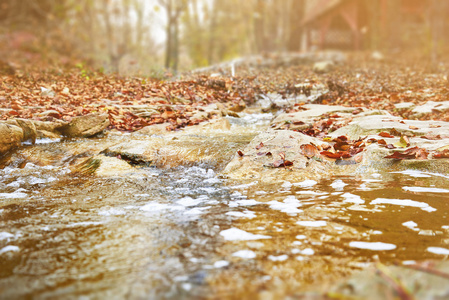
x: 188, y: 233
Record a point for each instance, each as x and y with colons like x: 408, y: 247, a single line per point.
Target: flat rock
x: 311, y: 111
x: 253, y: 165
x: 85, y: 126
x: 105, y: 166
x: 430, y: 107
x: 11, y: 136
x: 373, y: 124
x: 28, y: 128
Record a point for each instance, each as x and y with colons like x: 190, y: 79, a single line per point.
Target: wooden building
x: 371, y: 24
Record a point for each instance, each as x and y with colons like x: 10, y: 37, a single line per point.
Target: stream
x: 188, y: 233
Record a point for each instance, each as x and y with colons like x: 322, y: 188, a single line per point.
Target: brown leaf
x: 442, y: 154
x: 411, y: 153
x: 259, y: 146
x: 431, y: 137
x: 240, y: 153
x: 413, y: 127
x: 331, y: 154
x: 386, y: 134
x: 309, y: 150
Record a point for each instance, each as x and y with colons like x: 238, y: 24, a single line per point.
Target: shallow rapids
x: 189, y: 233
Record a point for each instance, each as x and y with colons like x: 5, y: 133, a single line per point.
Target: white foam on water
x: 221, y: 264
x: 197, y: 210
x: 260, y: 193
x: 351, y: 198
x: 16, y: 183
x: 246, y: 214
x: 142, y: 195
x: 438, y: 250
x: 305, y: 183
x: 307, y: 251
x: 404, y: 202
x: 188, y: 201
x: 409, y: 262
x: 278, y: 258
x: 47, y: 141
x: 248, y: 254
x: 338, y: 184
x: 410, y: 224
x: 289, y: 205
x: 111, y: 212
x: 444, y: 226
x: 419, y: 189
x: 296, y: 243
x: 300, y: 237
x: 300, y: 258
x: 186, y: 286
x: 212, y: 180
x: 286, y: 185
x: 9, y: 248
x: 5, y: 235
x: 34, y: 180
x: 295, y: 251
x: 312, y: 223
x: 157, y: 207
x: 311, y: 193
x: 209, y: 190
x: 84, y: 224
x: 375, y: 246
x: 13, y: 195
x: 363, y: 187
x: 235, y: 234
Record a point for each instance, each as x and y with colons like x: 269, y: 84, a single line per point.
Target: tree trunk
x: 296, y: 17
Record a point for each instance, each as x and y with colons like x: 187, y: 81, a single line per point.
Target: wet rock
x: 374, y: 124
x: 154, y: 129
x: 422, y: 134
x: 305, y: 118
x: 430, y: 107
x: 48, y: 129
x: 260, y: 159
x: 105, y: 166
x: 370, y: 284
x: 11, y: 136
x: 323, y: 66
x: 214, y: 124
x: 28, y: 128
x: 85, y: 126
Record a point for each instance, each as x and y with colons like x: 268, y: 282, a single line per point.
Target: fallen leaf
x: 240, y: 153
x: 331, y: 154
x: 309, y: 150
x: 413, y: 127
x: 386, y: 134
x: 259, y: 146
x: 404, y: 142
x: 411, y: 153
x: 442, y: 154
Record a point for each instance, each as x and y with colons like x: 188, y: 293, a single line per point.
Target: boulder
x: 154, y: 129
x: 85, y: 126
x: 305, y: 118
x: 11, y: 136
x: 260, y: 158
x: 28, y: 128
x: 105, y: 166
x: 323, y: 66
